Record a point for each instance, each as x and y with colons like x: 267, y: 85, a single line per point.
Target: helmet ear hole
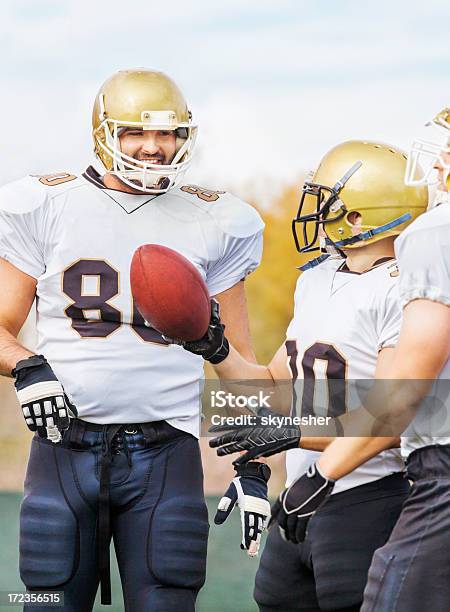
x: 354, y: 217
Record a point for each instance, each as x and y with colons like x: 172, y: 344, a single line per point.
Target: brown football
x: 169, y: 292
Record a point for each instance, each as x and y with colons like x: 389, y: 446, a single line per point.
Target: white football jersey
x: 78, y: 239
x: 341, y: 321
x: 423, y: 252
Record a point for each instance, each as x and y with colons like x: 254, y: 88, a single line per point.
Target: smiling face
x: 149, y: 146
x: 152, y: 147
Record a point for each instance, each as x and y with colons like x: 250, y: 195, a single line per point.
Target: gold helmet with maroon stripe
x: 148, y: 100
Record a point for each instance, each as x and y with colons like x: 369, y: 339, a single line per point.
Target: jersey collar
x: 129, y: 202
x: 342, y: 276
x: 344, y: 268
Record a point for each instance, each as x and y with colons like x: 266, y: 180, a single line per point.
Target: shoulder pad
x: 435, y: 217
x: 313, y: 266
x: 327, y: 260
x: 55, y: 179
x: 235, y: 217
x: 56, y: 183
x: 202, y: 194
x: 32, y: 191
x: 312, y: 263
x: 21, y: 196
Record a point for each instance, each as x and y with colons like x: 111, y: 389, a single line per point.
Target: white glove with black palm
x: 248, y: 490
x: 45, y: 406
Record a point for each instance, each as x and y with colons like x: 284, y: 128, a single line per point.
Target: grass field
x: 230, y: 576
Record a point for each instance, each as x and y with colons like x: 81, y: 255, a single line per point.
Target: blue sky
x: 272, y: 84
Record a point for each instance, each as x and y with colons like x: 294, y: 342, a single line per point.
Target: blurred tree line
x: 270, y: 289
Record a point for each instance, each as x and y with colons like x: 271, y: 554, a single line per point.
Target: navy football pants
x: 328, y: 571
x: 159, y: 521
x: 411, y: 572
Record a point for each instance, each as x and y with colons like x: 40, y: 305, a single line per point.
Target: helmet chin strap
x: 137, y: 180
x: 161, y: 181
x: 360, y: 237
x: 370, y: 233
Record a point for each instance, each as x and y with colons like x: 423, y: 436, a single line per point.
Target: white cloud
x: 273, y: 85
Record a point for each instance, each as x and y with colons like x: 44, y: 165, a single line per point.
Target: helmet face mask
x: 327, y: 207
x: 142, y: 100
x: 356, y: 196
x: 311, y: 222
x: 148, y: 177
x: 432, y: 150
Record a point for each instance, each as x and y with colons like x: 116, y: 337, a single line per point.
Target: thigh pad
x: 178, y: 542
x: 49, y: 542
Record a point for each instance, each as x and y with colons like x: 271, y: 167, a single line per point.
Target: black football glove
x: 261, y: 439
x: 213, y: 347
x: 45, y: 406
x: 297, y: 504
x: 249, y: 491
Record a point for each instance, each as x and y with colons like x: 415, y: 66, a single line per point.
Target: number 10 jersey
x: 341, y: 321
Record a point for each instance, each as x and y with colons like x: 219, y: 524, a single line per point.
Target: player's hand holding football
x: 297, y: 504
x: 265, y: 436
x: 45, y: 406
x: 248, y: 490
x: 213, y: 347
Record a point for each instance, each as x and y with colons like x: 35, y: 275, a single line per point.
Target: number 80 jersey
x: 78, y: 239
x: 341, y: 321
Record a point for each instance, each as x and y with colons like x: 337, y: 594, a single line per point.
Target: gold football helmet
x: 147, y: 100
x: 357, y: 178
x: 430, y: 151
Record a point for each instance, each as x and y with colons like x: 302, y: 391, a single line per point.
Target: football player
x: 115, y: 407
x: 411, y: 572
x: 345, y: 327
x: 429, y: 158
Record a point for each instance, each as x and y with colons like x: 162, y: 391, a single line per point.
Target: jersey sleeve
x: 390, y: 319
x: 19, y: 231
x: 424, y: 262
x: 240, y: 242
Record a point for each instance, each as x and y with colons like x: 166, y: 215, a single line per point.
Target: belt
x: 154, y: 433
